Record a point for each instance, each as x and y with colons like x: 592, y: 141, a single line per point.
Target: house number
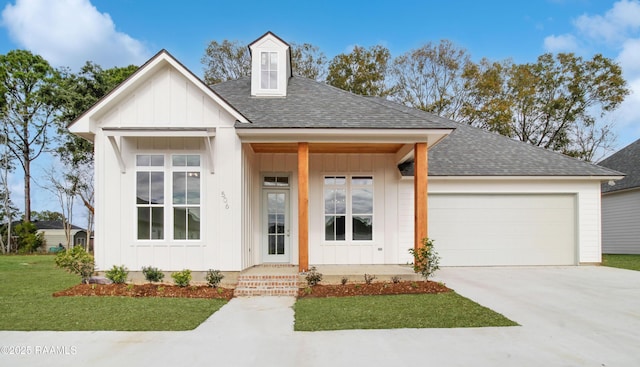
x: 225, y: 200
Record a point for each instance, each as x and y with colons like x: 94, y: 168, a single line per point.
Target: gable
x: 161, y: 94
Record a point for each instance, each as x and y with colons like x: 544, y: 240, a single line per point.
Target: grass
x: 27, y: 304
x: 631, y: 262
x: 444, y: 310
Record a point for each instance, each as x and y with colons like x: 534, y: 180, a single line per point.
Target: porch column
x: 303, y: 206
x: 420, y: 181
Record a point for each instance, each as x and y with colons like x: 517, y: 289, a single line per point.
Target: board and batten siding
x: 621, y: 222
x: 587, y: 206
x: 167, y: 99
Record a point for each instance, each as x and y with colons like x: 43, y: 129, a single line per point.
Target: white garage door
x: 478, y: 230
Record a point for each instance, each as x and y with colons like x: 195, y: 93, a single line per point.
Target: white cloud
x: 561, y: 43
x: 70, y: 32
x: 614, y: 25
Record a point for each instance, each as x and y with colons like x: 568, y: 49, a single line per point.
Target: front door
x: 275, y: 241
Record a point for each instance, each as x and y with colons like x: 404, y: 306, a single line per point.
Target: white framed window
x: 186, y: 190
x: 348, y: 208
x: 162, y: 219
x: 269, y: 70
x: 150, y: 196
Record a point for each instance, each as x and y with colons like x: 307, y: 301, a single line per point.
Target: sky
x: 122, y: 32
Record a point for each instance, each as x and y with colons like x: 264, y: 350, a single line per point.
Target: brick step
x: 266, y: 285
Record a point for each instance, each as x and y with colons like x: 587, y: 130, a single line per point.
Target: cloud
x: 71, y: 32
x: 614, y: 26
x: 561, y: 43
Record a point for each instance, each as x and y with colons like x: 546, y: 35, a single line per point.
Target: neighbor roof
x: 626, y: 160
x: 310, y: 104
x: 52, y: 224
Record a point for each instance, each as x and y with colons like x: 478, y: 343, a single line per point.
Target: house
x: 621, y: 203
x: 54, y: 233
x: 275, y: 168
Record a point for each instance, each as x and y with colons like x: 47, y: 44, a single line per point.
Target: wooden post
x: 303, y: 206
x: 420, y: 182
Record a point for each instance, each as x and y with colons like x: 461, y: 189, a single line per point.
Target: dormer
x: 270, y: 66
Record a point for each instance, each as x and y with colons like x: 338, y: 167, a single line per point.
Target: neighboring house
x: 621, y: 203
x: 54, y: 233
x: 275, y: 168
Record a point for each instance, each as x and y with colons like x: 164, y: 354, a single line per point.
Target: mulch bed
x: 146, y: 290
x: 382, y: 288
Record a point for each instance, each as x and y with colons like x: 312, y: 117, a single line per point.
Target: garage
x: 503, y: 229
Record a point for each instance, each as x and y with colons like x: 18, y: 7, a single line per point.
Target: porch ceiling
x: 328, y: 147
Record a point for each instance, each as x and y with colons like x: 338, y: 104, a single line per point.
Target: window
x: 348, y: 208
x: 269, y: 70
x: 186, y: 197
x: 182, y: 185
x: 150, y: 196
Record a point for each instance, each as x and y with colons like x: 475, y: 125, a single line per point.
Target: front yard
x: 26, y: 300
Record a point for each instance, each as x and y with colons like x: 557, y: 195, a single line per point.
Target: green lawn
x: 26, y: 285
x: 631, y: 262
x: 445, y: 310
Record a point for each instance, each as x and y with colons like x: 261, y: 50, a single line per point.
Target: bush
x: 29, y: 240
x: 182, y: 278
x: 214, y: 277
x: 368, y: 278
x: 76, y: 261
x: 118, y: 274
x: 313, y: 276
x: 152, y: 274
x: 426, y: 259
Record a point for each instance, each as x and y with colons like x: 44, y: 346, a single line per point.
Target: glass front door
x: 276, y: 228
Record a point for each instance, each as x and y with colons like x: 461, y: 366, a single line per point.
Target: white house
x: 621, y: 203
x: 276, y: 168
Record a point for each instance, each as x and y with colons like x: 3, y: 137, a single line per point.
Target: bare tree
x: 64, y: 188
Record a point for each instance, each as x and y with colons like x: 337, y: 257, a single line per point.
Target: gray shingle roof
x: 467, y: 151
x: 51, y: 224
x: 310, y: 104
x: 626, y: 160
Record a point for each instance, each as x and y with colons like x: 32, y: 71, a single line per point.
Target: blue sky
x: 122, y: 32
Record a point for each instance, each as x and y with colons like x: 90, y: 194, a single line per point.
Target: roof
x: 311, y: 104
x: 626, y: 160
x: 471, y: 151
x: 52, y: 224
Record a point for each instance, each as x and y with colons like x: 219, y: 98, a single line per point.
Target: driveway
x: 569, y: 316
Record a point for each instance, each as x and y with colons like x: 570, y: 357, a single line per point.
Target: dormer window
x: 269, y: 70
x: 270, y: 66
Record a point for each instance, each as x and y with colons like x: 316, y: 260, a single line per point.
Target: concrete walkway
x: 570, y: 316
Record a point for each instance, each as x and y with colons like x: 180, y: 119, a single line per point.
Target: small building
x: 54, y: 234
x: 621, y: 203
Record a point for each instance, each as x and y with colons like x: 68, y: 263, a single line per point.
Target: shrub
x: 313, y: 276
x: 214, y: 277
x: 76, y: 261
x: 344, y: 280
x: 182, y: 278
x: 118, y: 274
x: 426, y: 259
x: 395, y: 279
x: 29, y: 240
x: 368, y: 278
x: 152, y: 274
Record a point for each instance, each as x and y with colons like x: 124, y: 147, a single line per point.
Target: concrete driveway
x: 569, y: 316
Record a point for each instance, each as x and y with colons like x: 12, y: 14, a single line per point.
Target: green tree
x: 224, y: 61
x: 46, y: 215
x: 30, y: 89
x: 554, y: 103
x: 28, y: 238
x: 429, y: 78
x: 308, y: 61
x: 362, y: 71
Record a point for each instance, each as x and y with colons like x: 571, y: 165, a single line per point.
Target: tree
x: 28, y: 238
x: 430, y: 78
x: 29, y: 103
x: 554, y: 103
x: 308, y: 61
x: 63, y: 187
x: 362, y: 71
x: 81, y: 91
x: 47, y: 215
x: 224, y: 61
